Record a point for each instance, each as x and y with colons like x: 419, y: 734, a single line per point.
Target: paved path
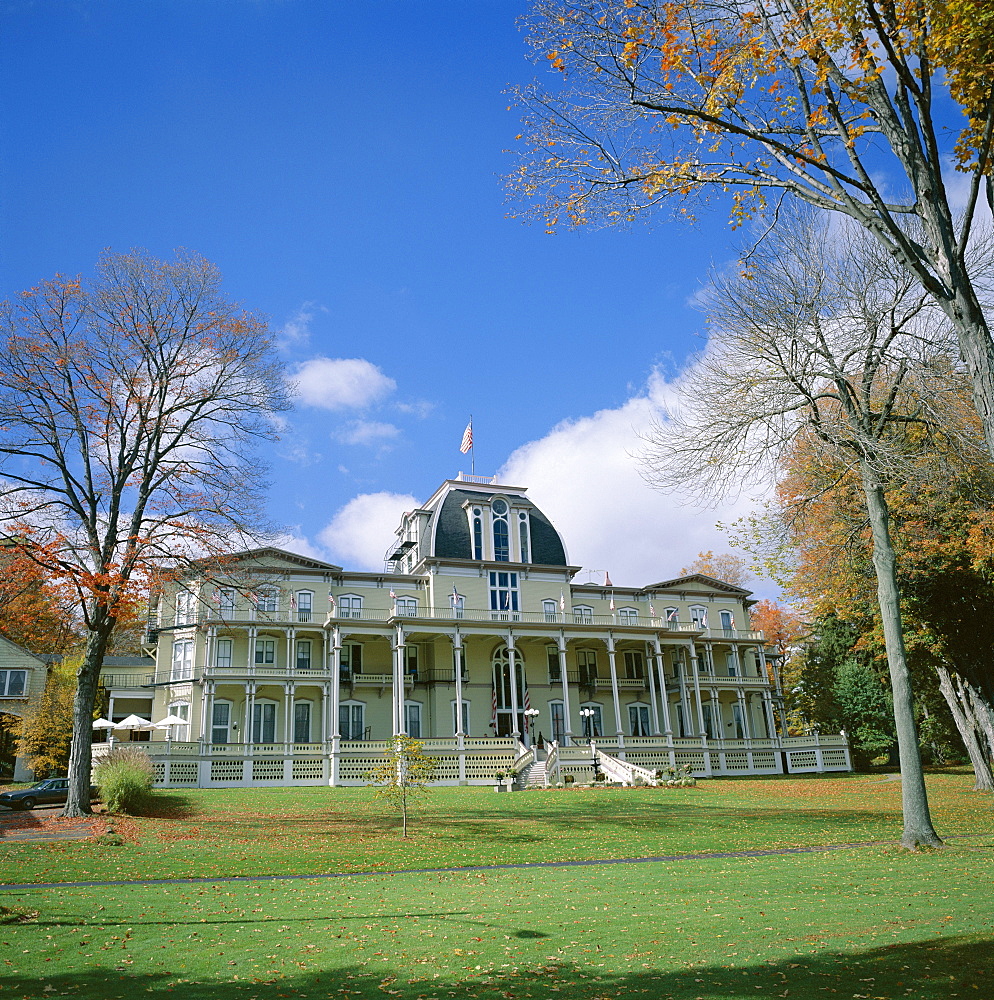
x: 44, y: 823
x: 223, y: 880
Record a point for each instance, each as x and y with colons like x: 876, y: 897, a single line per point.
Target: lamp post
x: 530, y: 715
x: 587, y: 714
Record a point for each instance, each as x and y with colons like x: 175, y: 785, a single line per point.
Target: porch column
x: 207, y: 713
x: 695, y: 667
x: 684, y: 695
x: 290, y: 644
x: 398, y: 682
x: 459, y: 734
x: 249, y: 713
x: 771, y: 726
x: 663, y: 697
x: 716, y: 719
x: 654, y: 709
x: 614, y: 694
x: 289, y: 698
x: 744, y: 709
x: 567, y: 724
x: 209, y: 647
x: 332, y: 730
x: 253, y: 634
x: 709, y: 657
x: 512, y: 663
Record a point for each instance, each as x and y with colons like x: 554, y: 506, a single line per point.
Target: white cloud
x: 585, y: 477
x: 293, y: 542
x: 360, y: 532
x: 365, y: 432
x: 420, y: 408
x: 296, y: 331
x: 341, y: 383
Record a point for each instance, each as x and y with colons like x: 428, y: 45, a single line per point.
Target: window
x: 13, y: 683
x: 551, y: 610
x: 504, y: 596
x: 304, y: 655
x: 634, y: 663
x: 265, y: 650
x: 732, y: 663
x: 502, y: 539
x: 592, y: 721
x: 182, y: 669
x: 709, y: 727
x: 727, y: 623
x: 671, y: 616
x: 681, y: 724
x: 301, y: 722
x: 185, y: 608
x: 350, y: 606
x: 226, y: 603
x: 699, y: 616
x: 222, y: 653
x: 264, y: 722
x: 221, y: 722
x: 181, y: 710
x: 411, y: 660
x: 638, y: 720
x: 738, y: 722
x: 552, y: 653
x: 351, y: 661
x: 465, y: 717
x: 477, y: 533
x: 268, y: 600
x: 583, y: 615
x: 407, y: 606
x: 351, y: 716
x: 305, y: 605
x: 558, y: 721
x: 586, y: 661
x: 628, y: 616
x: 412, y: 719
x: 524, y: 537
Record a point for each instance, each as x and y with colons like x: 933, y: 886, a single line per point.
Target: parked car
x: 50, y: 791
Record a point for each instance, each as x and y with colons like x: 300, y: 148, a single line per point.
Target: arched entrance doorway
x: 503, y: 702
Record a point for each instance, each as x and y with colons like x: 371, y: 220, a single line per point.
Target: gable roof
x: 709, y: 580
x: 21, y: 649
x: 281, y: 555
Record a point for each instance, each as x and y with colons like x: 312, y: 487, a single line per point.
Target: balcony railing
x: 447, y: 613
x: 113, y: 681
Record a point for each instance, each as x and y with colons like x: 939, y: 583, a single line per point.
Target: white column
x: 290, y: 646
x: 654, y: 708
x: 694, y: 667
x: 398, y: 682
x: 614, y: 694
x: 459, y: 734
x: 663, y: 696
x: 567, y: 724
x: 771, y: 726
x: 512, y: 663
x: 249, y: 712
x: 290, y: 691
x: 253, y: 634
x: 336, y: 685
x: 684, y: 696
x: 207, y: 712
x: 744, y: 709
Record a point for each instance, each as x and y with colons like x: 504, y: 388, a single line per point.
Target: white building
x: 474, y: 638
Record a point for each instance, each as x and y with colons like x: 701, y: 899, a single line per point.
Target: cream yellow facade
x: 291, y: 670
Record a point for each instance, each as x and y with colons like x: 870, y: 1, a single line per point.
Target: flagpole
x: 472, y: 449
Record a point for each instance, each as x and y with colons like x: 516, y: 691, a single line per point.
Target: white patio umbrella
x: 135, y: 724
x: 104, y: 724
x: 168, y: 722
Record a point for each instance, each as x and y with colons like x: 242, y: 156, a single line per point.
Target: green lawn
x: 316, y: 830
x: 869, y: 922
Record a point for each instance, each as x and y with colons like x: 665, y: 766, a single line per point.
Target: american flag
x: 254, y: 598
x: 293, y: 602
x: 671, y: 615
x: 332, y: 606
x: 467, y: 438
x: 493, y: 711
x: 652, y: 610
x: 612, y: 602
x: 562, y: 601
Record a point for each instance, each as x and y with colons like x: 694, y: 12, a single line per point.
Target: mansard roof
x: 451, y: 535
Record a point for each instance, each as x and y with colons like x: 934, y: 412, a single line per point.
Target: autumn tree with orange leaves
x: 844, y: 104
x: 725, y: 566
x: 128, y: 413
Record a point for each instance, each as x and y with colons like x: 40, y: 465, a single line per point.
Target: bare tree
x: 844, y: 104
x: 821, y: 340
x: 128, y: 414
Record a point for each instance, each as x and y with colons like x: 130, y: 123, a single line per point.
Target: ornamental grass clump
x: 124, y: 778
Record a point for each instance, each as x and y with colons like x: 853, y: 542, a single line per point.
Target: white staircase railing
x: 623, y: 770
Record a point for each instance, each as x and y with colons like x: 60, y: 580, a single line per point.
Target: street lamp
x: 530, y: 716
x: 587, y: 714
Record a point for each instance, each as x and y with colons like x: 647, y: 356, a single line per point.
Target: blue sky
x: 342, y: 164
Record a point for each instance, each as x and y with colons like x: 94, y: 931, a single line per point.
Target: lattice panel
x: 227, y: 770
x: 183, y: 772
x: 357, y: 768
x: 446, y: 768
x: 803, y: 760
x: 736, y: 762
x: 486, y: 766
x: 834, y: 759
x: 695, y: 761
x: 764, y: 760
x: 158, y: 771
x: 653, y: 760
x: 267, y: 770
x: 308, y: 769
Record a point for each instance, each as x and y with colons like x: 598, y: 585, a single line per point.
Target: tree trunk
x: 917, y: 819
x: 977, y: 349
x: 984, y: 714
x: 80, y: 756
x: 966, y: 724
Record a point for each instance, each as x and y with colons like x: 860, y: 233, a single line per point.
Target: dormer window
x: 501, y: 531
x: 477, y: 533
x: 524, y: 537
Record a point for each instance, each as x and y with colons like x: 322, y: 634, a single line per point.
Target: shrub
x: 125, y: 777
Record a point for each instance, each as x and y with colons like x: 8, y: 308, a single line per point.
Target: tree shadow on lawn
x: 926, y: 970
